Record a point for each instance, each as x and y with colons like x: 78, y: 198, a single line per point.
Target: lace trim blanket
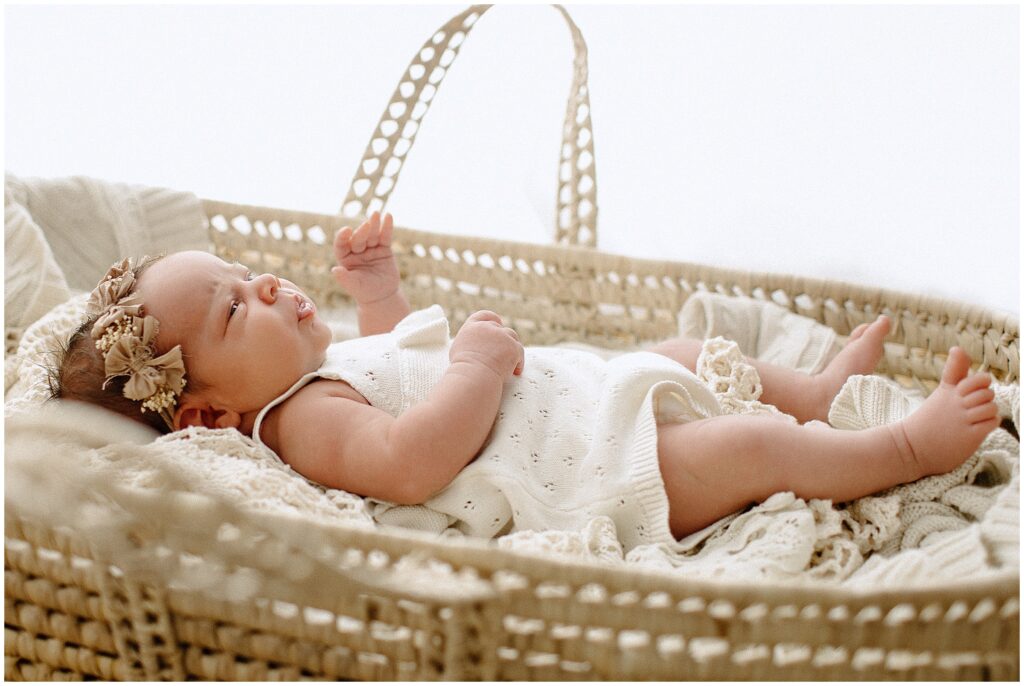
x: 951, y: 526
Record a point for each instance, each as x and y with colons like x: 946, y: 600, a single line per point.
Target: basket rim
x: 481, y: 554
x: 486, y: 553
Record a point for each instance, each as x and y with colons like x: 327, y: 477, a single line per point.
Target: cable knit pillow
x: 33, y: 282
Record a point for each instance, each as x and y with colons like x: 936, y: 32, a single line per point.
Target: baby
x: 478, y: 428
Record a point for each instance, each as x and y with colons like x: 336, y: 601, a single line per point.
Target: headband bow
x: 126, y: 338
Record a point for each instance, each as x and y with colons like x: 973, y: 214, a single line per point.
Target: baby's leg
x: 717, y: 466
x: 714, y: 467
x: 803, y: 396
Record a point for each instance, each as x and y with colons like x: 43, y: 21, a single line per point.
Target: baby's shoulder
x: 299, y: 404
x: 327, y: 388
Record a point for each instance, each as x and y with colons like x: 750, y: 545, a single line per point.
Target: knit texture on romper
x: 575, y: 437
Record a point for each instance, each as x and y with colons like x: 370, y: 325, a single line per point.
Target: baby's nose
x: 267, y: 285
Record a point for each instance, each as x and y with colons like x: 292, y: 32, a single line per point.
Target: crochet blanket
x: 942, y: 528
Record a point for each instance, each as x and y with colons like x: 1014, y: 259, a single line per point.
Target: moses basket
x: 88, y: 606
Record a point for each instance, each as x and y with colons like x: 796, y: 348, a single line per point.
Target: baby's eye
x: 249, y: 276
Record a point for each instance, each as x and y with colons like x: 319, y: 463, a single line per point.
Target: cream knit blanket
x: 960, y: 525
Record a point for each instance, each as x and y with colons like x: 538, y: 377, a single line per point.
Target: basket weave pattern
x: 499, y: 616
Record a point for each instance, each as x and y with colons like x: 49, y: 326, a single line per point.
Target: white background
x: 871, y: 144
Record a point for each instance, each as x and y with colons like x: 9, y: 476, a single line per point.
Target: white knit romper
x: 575, y: 437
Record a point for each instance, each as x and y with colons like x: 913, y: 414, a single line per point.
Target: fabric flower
x: 132, y: 355
x: 146, y: 375
x: 122, y: 268
x: 130, y: 306
x: 117, y: 282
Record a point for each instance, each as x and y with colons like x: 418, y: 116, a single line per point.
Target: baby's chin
x: 323, y: 336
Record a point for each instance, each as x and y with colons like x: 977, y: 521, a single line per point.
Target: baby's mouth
x: 304, y: 307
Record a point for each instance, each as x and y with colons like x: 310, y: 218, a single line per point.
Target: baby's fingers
x: 342, y: 243
x: 367, y: 231
x: 359, y: 238
x: 520, y: 350
x: 373, y: 231
x: 386, y: 230
x: 379, y: 232
x: 484, y: 316
x: 522, y: 361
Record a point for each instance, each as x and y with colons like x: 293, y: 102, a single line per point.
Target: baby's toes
x: 982, y: 429
x: 973, y: 383
x: 958, y: 364
x: 978, y: 397
x: 982, y: 413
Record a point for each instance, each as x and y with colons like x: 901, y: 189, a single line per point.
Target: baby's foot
x: 953, y: 421
x: 861, y: 354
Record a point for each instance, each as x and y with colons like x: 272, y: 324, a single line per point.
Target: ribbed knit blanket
x: 964, y: 524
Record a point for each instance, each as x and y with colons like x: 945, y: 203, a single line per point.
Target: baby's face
x: 248, y: 337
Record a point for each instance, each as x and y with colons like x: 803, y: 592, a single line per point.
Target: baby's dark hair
x: 77, y: 373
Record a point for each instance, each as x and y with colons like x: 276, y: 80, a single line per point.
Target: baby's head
x: 242, y: 340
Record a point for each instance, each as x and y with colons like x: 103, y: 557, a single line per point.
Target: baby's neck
x: 248, y: 421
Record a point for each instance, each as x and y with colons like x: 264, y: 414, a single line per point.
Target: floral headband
x: 125, y: 337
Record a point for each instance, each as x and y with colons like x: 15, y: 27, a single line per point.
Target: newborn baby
x: 478, y: 427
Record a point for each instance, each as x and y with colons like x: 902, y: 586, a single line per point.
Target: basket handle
x: 377, y: 173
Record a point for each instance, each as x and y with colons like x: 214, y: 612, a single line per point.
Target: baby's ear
x: 195, y: 412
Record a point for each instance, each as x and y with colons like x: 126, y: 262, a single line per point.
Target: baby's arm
x: 367, y: 271
x: 339, y: 443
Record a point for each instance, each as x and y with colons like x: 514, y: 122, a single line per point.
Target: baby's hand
x: 366, y: 266
x: 483, y: 339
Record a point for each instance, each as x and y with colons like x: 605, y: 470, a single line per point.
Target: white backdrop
x: 873, y: 144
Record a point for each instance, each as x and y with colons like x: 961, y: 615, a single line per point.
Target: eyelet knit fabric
x: 575, y: 437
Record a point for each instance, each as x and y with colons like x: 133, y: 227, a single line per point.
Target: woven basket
x: 328, y: 601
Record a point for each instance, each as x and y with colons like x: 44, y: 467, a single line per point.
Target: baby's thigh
x: 712, y: 468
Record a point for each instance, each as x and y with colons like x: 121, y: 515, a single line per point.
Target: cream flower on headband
x: 108, y: 300
x: 118, y: 280
x: 126, y: 338
x: 126, y: 307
